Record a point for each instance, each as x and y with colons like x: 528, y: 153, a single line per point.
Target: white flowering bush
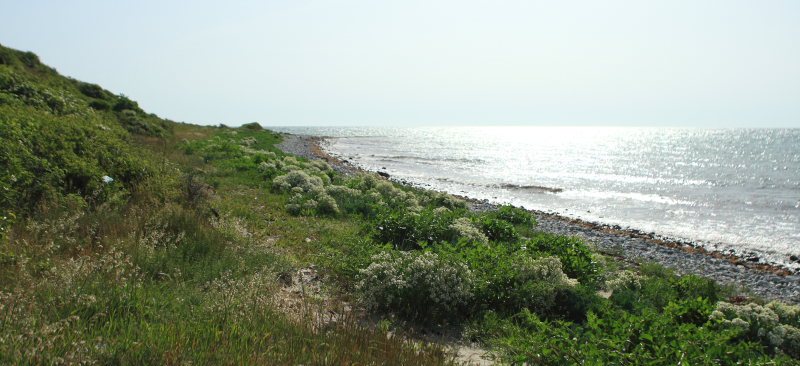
x: 547, y: 269
x: 268, y: 168
x: 625, y: 280
x: 296, y: 178
x: 326, y: 205
x: 321, y: 165
x: 464, y: 228
x: 440, y: 199
x: 774, y: 324
x: 416, y: 285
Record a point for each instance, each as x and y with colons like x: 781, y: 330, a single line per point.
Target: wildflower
x: 464, y: 228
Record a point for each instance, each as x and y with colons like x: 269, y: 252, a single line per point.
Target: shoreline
x: 770, y: 281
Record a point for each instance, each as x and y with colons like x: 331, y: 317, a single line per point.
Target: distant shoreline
x: 768, y: 280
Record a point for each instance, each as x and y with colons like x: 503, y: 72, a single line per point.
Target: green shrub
x: 46, y: 156
x: 499, y: 230
x: 29, y: 59
x: 694, y: 311
x: 515, y: 216
x: 613, y: 338
x: 406, y: 229
x: 576, y: 257
x: 100, y: 105
x: 692, y: 287
x: 125, y: 103
x: 252, y: 126
x: 419, y: 286
x: 92, y: 90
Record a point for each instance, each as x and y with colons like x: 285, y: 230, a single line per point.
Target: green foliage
x: 92, y: 91
x: 100, y: 105
x: 29, y: 59
x: 7, y: 220
x: 499, y: 230
x: 515, y: 216
x: 124, y: 103
x: 46, y: 157
x: 115, y: 259
x: 576, y: 257
x: 510, y: 280
x: 254, y: 126
x: 613, y: 338
x: 406, y: 230
x: 659, y: 287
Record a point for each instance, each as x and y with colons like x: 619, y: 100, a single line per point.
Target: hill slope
x: 114, y: 250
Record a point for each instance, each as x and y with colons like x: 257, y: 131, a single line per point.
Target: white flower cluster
x: 297, y: 178
x: 440, y: 199
x: 625, y: 279
x: 547, y: 269
x: 394, y: 194
x: 775, y: 324
x: 415, y: 280
x: 248, y: 141
x: 463, y: 227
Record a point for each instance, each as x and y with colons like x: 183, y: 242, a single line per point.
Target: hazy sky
x: 460, y: 62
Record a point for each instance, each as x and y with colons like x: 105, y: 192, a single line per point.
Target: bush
x: 510, y: 280
x: 326, y: 205
x: 406, y: 229
x: 416, y: 286
x: 46, y: 156
x: 499, y: 230
x: 515, y: 216
x: 124, y: 103
x: 100, y: 105
x: 254, y: 126
x: 29, y: 59
x: 296, y: 178
x: 463, y: 228
x: 611, y: 337
x: 753, y: 322
x: 92, y: 90
x: 575, y: 256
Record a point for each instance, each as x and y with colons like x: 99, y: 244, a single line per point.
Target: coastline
x: 765, y: 280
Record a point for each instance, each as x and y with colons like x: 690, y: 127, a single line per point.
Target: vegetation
x: 125, y: 238
x: 116, y: 247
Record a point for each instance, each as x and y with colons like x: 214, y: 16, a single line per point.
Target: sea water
x: 727, y: 189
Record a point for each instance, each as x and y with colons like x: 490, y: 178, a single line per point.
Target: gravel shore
x: 768, y: 282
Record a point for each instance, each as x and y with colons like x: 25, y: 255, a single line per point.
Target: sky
x: 703, y: 63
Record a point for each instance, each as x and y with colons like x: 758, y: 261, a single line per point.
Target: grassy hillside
x: 131, y: 239
x: 113, y: 249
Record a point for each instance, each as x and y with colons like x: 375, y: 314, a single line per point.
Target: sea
x: 729, y: 190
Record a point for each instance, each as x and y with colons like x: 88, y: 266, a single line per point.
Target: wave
x: 644, y: 197
x: 425, y: 159
x: 530, y: 188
